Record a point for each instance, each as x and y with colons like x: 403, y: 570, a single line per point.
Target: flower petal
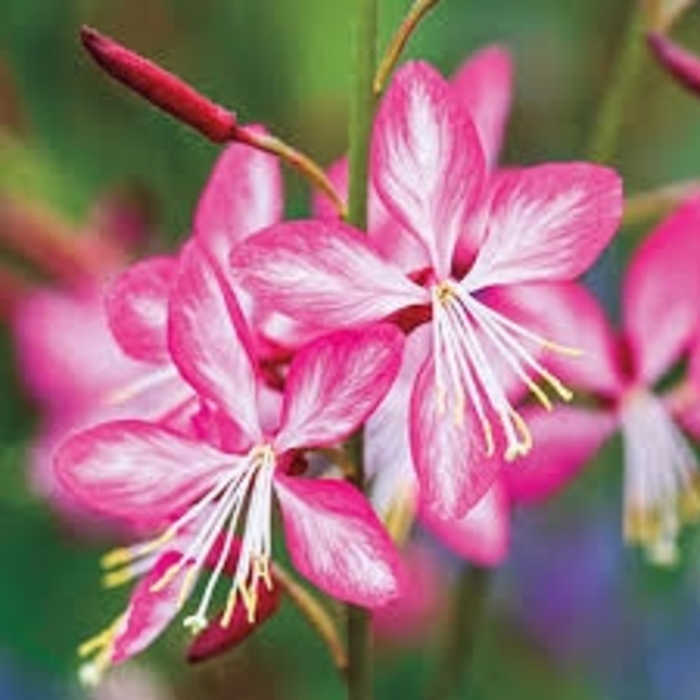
x: 137, y: 308
x: 335, y: 382
x: 217, y: 638
x: 136, y: 470
x: 484, y: 87
x: 390, y: 240
x: 151, y: 608
x: 322, y: 272
x: 547, y: 223
x: 448, y: 452
x: 209, y: 340
x: 243, y: 195
x: 336, y: 541
x: 482, y: 536
x: 568, y: 315
x: 66, y: 352
x: 427, y: 161
x: 660, y: 292
x: 564, y: 441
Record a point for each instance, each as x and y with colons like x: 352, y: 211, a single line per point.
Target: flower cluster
x: 444, y: 333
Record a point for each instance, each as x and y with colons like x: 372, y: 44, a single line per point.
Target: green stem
x: 469, y: 596
x: 607, y: 128
x: 362, y: 106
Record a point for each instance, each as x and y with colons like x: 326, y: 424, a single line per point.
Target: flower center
x: 235, y: 514
x: 469, y: 339
x: 662, y: 488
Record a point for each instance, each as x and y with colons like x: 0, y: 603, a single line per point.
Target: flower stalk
x: 362, y: 108
x: 610, y: 118
x: 418, y: 11
x: 466, y: 607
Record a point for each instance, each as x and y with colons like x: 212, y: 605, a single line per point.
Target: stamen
x: 464, y: 367
x: 662, y: 486
x: 100, y: 645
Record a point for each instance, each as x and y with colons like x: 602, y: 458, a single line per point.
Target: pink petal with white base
x: 427, y: 162
x: 209, y: 340
x: 322, y: 272
x: 137, y: 470
x: 137, y: 308
x: 151, y: 608
x: 243, y: 195
x: 547, y: 223
x: 387, y: 450
x: 482, y: 536
x: 660, y: 293
x: 483, y: 85
x: 335, y: 383
x: 336, y: 541
x: 453, y: 469
x: 565, y: 441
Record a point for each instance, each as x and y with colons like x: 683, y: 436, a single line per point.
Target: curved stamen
x: 464, y: 365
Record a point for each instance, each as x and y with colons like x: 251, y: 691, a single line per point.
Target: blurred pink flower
x: 480, y: 237
x: 222, y: 481
x: 625, y: 374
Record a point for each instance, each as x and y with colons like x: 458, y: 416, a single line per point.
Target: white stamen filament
x: 462, y: 365
x: 246, y: 486
x: 661, y: 479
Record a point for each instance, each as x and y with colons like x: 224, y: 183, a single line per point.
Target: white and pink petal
x: 209, y: 340
x: 336, y: 541
x: 322, y: 272
x: 137, y: 470
x: 547, y: 223
x: 335, y: 382
x: 427, y: 161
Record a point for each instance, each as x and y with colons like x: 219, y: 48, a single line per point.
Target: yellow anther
x: 537, y: 391
x: 113, y: 579
x: 261, y: 572
x: 561, y: 349
x: 488, y: 438
x: 231, y: 602
x: 167, y: 578
x: 117, y: 557
x: 186, y: 587
x: 400, y: 516
x: 125, y: 555
x: 96, y: 643
x: 522, y: 446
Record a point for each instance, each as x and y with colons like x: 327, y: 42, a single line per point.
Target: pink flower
x: 221, y: 483
x: 66, y: 355
x: 623, y: 372
x: 478, y: 236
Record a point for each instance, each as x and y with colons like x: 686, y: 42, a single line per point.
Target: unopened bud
x: 161, y: 88
x: 679, y: 63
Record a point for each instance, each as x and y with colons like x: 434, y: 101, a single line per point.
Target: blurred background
x: 573, y: 616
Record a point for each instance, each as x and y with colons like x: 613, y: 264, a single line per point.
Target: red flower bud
x: 679, y: 63
x: 161, y: 88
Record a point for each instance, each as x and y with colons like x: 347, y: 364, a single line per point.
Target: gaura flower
x: 66, y: 355
x: 627, y: 376
x: 220, y: 480
x: 478, y: 235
